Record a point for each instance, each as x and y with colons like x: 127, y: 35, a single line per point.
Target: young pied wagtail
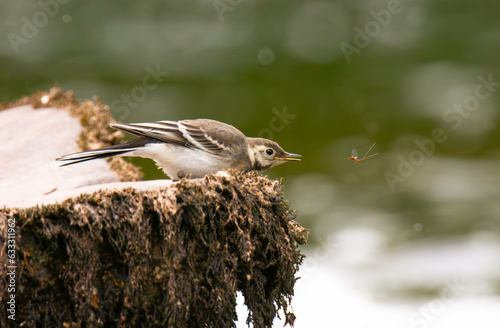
x: 192, y: 148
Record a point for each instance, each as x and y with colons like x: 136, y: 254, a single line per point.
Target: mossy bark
x: 157, y: 258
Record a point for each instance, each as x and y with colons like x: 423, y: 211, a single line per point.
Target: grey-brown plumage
x: 192, y: 148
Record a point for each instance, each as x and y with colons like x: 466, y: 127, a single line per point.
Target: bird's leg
x: 182, y: 174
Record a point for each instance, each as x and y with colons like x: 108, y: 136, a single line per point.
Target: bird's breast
x: 173, y: 159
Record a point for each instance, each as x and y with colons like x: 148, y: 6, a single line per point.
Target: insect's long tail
x: 369, y: 150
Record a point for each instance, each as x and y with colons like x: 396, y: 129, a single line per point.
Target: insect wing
x: 354, y: 153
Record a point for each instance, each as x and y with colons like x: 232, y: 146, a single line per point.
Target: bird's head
x: 265, y: 154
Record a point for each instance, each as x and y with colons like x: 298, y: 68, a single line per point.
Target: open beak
x: 290, y: 157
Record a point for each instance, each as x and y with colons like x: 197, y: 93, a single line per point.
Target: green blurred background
x: 416, y: 68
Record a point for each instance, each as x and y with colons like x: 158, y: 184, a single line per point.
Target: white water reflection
x: 429, y: 283
x: 386, y: 294
x: 424, y: 256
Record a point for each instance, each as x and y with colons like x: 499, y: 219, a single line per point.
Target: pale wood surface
x: 31, y: 140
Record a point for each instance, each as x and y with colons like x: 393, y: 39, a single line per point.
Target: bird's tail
x: 106, y: 152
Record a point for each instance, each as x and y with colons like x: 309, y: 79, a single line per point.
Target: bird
x: 192, y: 148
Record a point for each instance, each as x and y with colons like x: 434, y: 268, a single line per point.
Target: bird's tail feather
x: 106, y: 152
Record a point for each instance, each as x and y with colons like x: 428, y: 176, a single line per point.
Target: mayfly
x: 354, y: 156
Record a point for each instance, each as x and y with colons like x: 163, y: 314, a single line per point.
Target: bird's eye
x: 269, y: 151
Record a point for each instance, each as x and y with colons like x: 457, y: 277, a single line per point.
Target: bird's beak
x: 290, y: 157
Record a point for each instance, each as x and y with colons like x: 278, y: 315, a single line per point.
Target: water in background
x: 409, y: 237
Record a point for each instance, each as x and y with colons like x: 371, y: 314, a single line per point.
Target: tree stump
x: 90, y: 245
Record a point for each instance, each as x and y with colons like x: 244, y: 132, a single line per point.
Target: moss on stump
x: 172, y: 257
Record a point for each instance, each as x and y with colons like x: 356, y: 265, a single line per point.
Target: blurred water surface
x: 419, y: 78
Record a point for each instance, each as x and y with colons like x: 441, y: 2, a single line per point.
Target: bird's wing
x: 207, y: 135
x: 156, y: 132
